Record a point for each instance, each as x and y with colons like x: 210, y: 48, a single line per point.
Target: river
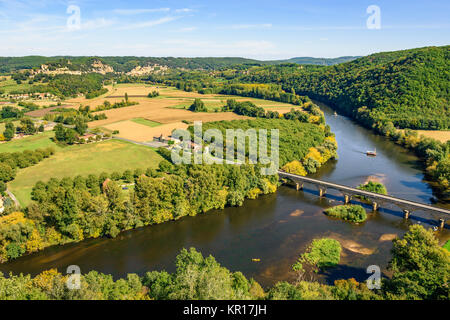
x: 274, y: 228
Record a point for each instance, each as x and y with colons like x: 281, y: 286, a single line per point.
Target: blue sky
x: 256, y: 29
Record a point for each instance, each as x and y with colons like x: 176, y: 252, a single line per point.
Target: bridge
x: 374, y: 198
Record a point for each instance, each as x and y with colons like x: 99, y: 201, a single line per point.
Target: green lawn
x: 447, y: 245
x: 11, y: 85
x: 107, y: 156
x: 40, y: 140
x: 146, y: 122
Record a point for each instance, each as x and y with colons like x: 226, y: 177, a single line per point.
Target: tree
x: 60, y: 132
x: 2, y: 188
x: 6, y: 172
x: 9, y: 131
x: 198, y: 106
x: 320, y: 254
x: 421, y: 268
x: 80, y: 125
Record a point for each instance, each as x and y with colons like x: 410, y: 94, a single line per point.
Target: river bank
x: 274, y: 228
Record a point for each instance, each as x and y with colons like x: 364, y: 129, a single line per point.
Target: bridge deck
x: 368, y: 194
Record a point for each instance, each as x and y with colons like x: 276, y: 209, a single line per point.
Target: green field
x: 11, y: 85
x: 447, y: 245
x: 2, y: 125
x: 107, y: 156
x: 40, y: 140
x: 216, y: 103
x: 146, y: 122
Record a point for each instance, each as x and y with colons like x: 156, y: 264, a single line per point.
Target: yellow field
x: 440, y: 135
x: 169, y: 109
x: 139, y: 132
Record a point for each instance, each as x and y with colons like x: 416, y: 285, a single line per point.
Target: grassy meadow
x: 40, y: 140
x: 107, y: 156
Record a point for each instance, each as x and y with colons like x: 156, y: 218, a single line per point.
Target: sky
x: 216, y: 28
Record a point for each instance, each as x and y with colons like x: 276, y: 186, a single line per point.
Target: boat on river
x: 372, y: 153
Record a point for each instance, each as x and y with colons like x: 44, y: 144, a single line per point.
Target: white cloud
x: 251, y: 26
x: 139, y: 11
x: 184, y: 10
x: 150, y: 23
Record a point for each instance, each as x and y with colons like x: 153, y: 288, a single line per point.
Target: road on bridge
x: 371, y: 195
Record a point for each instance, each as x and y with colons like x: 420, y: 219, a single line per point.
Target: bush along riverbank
x: 353, y: 213
x: 419, y: 266
x: 69, y: 210
x: 73, y: 209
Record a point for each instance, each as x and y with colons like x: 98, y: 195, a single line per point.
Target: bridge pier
x: 347, y: 198
x: 299, y: 186
x: 406, y: 214
x: 441, y: 223
x: 374, y: 206
x: 322, y: 192
x: 348, y: 192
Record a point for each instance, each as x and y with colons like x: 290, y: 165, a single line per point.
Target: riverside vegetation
x: 420, y: 270
x: 72, y: 209
x: 352, y: 212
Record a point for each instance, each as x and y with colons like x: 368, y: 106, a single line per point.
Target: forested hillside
x: 126, y: 64
x: 409, y: 88
x: 121, y: 64
x: 317, y: 61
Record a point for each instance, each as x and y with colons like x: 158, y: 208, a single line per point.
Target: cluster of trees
x: 69, y: 116
x: 11, y: 162
x: 68, y: 85
x: 373, y: 186
x: 25, y: 126
x: 262, y: 91
x: 122, y: 104
x: 69, y: 135
x: 436, y: 154
x: 311, y: 113
x: 409, y: 87
x: 69, y: 210
x: 351, y: 212
x: 153, y: 94
x: 198, y: 106
x: 420, y: 271
x: 9, y: 113
x: 295, y: 138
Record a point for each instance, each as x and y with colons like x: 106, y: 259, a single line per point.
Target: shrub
x: 353, y: 213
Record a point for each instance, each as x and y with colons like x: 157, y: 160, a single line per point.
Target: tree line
x: 420, y: 270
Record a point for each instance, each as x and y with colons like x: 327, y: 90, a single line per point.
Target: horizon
x: 253, y: 30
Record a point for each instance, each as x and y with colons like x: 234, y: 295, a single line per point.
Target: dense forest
x: 419, y: 267
x: 409, y: 88
x: 126, y: 64
x: 72, y: 209
x: 305, y: 136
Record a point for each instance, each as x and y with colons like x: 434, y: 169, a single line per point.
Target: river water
x: 274, y: 228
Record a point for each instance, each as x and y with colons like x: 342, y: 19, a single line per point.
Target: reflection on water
x: 274, y: 228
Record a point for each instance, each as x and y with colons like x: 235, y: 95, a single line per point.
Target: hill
x: 126, y: 64
x: 316, y: 61
x: 409, y: 88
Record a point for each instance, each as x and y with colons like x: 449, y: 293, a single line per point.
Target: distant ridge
x: 126, y: 64
x: 318, y: 61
